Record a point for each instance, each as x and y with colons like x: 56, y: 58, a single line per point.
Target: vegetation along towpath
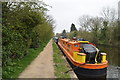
x: 42, y: 66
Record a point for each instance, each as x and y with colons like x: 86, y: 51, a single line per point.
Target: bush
x: 24, y: 26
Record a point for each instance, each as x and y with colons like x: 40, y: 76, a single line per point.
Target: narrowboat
x: 85, y: 57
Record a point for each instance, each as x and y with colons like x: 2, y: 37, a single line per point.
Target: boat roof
x: 74, y: 42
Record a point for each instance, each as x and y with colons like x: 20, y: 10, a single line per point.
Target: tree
x: 90, y: 24
x: 84, y: 22
x: 73, y: 28
x: 115, y: 34
x: 103, y: 33
x: 24, y: 26
x: 109, y: 14
x: 95, y: 26
x: 64, y: 33
x: 109, y: 24
x: 103, y: 29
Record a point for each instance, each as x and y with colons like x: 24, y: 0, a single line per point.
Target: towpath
x: 42, y: 66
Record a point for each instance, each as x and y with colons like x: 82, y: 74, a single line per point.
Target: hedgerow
x: 25, y: 26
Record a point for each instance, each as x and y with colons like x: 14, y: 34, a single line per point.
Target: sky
x: 66, y: 12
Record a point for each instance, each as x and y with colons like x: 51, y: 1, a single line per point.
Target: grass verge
x: 60, y: 65
x: 14, y: 70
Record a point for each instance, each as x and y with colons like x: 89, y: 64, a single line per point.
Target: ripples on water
x: 113, y: 72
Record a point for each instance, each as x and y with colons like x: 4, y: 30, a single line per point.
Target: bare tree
x: 109, y: 14
x: 88, y: 23
x: 83, y: 21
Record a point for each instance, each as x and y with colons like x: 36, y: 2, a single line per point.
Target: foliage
x: 100, y: 30
x: 64, y: 33
x: 14, y: 69
x: 73, y: 28
x: 115, y: 34
x: 73, y: 34
x: 25, y: 26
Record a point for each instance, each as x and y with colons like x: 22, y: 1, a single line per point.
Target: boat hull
x: 83, y: 73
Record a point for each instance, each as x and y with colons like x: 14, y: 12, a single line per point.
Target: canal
x: 113, y: 57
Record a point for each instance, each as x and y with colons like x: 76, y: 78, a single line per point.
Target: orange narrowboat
x: 90, y: 62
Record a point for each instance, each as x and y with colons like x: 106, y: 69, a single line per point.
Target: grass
x: 13, y: 71
x: 60, y: 65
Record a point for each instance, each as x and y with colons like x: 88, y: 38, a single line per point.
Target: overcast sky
x: 66, y: 12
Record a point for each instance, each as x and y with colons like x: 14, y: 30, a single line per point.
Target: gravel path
x: 42, y: 66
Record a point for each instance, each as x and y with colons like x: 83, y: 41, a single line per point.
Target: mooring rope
x: 74, y: 68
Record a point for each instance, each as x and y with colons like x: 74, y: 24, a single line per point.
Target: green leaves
x: 24, y: 26
x: 73, y: 28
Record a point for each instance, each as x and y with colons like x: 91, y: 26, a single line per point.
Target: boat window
x: 75, y: 45
x: 68, y: 46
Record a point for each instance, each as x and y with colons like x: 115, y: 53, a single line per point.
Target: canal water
x: 113, y: 57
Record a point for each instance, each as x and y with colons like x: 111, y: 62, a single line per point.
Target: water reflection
x: 113, y: 54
